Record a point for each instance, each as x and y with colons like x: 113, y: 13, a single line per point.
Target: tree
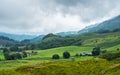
x: 66, y: 55
x: 24, y: 54
x: 14, y: 48
x: 77, y: 55
x: 118, y: 49
x: 55, y: 56
x: 32, y: 46
x: 5, y: 50
x: 7, y: 56
x: 17, y: 56
x: 96, y: 51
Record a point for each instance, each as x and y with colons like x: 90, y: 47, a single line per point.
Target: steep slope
x: 109, y: 25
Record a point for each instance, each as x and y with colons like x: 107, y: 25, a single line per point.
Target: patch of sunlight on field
x: 72, y: 49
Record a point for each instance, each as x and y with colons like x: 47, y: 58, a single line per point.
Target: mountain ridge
x: 111, y: 25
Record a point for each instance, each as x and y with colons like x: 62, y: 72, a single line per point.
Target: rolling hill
x: 5, y: 41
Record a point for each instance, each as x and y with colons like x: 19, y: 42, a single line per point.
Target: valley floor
x: 42, y: 64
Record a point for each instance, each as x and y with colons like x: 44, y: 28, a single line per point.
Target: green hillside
x: 103, y: 40
x: 87, y: 67
x: 72, y: 49
x: 113, y: 48
x: 5, y: 41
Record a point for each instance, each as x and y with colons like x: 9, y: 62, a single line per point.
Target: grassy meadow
x: 49, y: 52
x: 93, y: 66
x: 44, y: 56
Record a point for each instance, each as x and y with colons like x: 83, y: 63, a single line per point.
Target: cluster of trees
x: 58, y: 42
x: 54, y: 42
x: 13, y: 53
x: 96, y: 51
x: 110, y: 55
x: 65, y: 55
x: 101, y: 31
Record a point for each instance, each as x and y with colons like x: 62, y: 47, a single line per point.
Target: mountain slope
x: 69, y: 33
x: 109, y: 25
x: 5, y: 41
x: 17, y: 37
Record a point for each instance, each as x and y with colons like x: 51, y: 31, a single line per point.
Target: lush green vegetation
x: 1, y: 55
x: 50, y: 52
x: 114, y: 48
x: 46, y: 56
x: 110, y: 55
x: 43, y: 64
x: 87, y: 67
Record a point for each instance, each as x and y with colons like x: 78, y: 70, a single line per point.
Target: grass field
x: 113, y: 48
x: 72, y: 49
x: 1, y: 55
x: 45, y: 56
x: 86, y: 67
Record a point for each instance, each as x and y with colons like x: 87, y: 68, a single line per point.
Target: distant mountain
x: 70, y: 33
x: 52, y: 36
x: 37, y: 39
x: 17, y: 37
x: 109, y: 25
x: 5, y: 41
x: 53, y: 41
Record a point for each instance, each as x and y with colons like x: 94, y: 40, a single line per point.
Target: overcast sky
x: 51, y: 16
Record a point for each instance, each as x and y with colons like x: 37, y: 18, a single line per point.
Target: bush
x: 55, y: 56
x: 77, y: 55
x: 118, y: 49
x: 66, y: 55
x: 13, y: 56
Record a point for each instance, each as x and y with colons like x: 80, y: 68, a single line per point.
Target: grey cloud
x: 44, y: 16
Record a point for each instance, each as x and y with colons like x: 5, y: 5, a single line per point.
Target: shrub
x: 77, y: 55
x: 55, y: 56
x: 66, y: 55
x: 118, y: 49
